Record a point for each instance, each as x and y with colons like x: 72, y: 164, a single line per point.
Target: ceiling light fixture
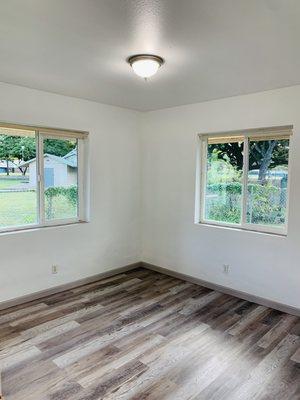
x: 145, y: 65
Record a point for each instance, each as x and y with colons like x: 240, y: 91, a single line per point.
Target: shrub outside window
x: 244, y: 179
x: 42, y: 176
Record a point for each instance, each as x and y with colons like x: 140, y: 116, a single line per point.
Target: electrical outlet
x: 226, y: 268
x: 54, y: 269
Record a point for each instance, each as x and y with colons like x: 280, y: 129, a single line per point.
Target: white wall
x: 112, y: 238
x: 263, y: 265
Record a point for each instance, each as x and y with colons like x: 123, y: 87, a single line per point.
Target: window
x: 42, y: 176
x: 60, y: 178
x: 243, y: 179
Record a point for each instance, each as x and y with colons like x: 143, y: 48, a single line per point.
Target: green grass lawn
x: 61, y: 208
x: 20, y: 208
x: 9, y: 183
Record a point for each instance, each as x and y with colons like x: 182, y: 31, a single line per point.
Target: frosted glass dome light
x: 145, y: 65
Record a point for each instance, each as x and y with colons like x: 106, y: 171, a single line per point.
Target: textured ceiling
x: 212, y: 48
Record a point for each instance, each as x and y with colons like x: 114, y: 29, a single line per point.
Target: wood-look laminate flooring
x: 144, y: 335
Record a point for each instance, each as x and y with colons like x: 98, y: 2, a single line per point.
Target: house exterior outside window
x: 43, y: 176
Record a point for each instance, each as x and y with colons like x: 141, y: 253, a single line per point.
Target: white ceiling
x: 212, y: 48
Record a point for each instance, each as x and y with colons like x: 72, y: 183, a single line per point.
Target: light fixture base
x: 138, y: 57
x: 145, y: 65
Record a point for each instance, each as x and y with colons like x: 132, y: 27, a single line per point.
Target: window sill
x: 34, y: 228
x: 241, y: 229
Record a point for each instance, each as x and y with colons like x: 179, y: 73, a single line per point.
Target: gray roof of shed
x: 69, y: 159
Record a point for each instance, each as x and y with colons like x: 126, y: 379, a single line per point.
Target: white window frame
x: 201, y: 175
x: 42, y: 133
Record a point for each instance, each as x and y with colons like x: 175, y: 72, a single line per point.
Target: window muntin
x: 42, y: 177
x: 244, y: 180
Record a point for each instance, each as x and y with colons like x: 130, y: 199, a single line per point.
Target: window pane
x: 60, y: 178
x: 223, y: 191
x: 267, y: 182
x: 18, y: 194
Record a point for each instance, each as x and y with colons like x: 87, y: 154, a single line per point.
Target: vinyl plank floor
x: 144, y: 335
